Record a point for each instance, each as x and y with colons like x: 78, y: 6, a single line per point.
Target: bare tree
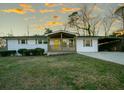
x: 119, y: 12
x: 48, y: 30
x: 2, y: 43
x: 96, y: 25
x: 73, y: 21
x: 107, y: 22
x: 84, y: 21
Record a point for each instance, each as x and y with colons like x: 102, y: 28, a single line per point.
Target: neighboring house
x: 119, y: 33
x: 55, y: 42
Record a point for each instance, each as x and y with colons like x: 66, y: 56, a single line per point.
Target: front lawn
x: 60, y: 72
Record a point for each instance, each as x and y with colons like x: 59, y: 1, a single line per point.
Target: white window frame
x: 20, y: 41
x: 37, y: 41
x: 86, y: 41
x: 44, y: 41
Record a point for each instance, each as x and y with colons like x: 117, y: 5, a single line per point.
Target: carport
x: 109, y: 44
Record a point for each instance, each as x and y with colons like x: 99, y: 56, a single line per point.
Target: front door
x: 56, y: 43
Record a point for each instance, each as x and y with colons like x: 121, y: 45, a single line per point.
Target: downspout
x: 7, y: 44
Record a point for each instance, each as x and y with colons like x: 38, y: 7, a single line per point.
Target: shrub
x: 122, y: 48
x: 31, y: 52
x: 38, y: 51
x: 22, y: 51
x: 12, y: 52
x: 4, y: 53
x: 7, y: 53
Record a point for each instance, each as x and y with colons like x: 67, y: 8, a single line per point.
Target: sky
x: 20, y: 18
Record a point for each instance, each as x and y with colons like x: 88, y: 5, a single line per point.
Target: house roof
x: 100, y: 36
x: 55, y: 33
x: 14, y: 37
x: 89, y: 36
x: 61, y: 31
x: 119, y: 32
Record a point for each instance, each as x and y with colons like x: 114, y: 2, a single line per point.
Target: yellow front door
x: 56, y: 43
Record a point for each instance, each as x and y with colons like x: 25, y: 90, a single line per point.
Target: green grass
x: 60, y: 72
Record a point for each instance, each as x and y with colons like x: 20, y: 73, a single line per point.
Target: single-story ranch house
x: 59, y: 42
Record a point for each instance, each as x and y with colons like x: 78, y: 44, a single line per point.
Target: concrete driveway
x: 117, y: 57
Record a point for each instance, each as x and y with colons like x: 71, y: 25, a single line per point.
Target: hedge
x: 122, y: 48
x: 31, y: 52
x: 22, y: 51
x: 8, y: 53
x: 38, y: 51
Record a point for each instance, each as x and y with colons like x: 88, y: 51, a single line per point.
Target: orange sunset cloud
x: 64, y: 10
x: 56, y: 17
x: 16, y: 10
x: 27, y: 7
x: 46, y: 11
x: 50, y: 4
x: 48, y: 24
x: 39, y: 27
x: 53, y: 23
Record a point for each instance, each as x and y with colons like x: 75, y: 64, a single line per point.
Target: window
x: 64, y: 42
x: 40, y: 41
x: 71, y: 42
x: 87, y: 42
x: 23, y: 41
x: 44, y: 41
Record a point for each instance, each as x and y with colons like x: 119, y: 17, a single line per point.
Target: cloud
x: 39, y: 27
x: 47, y: 24
x: 64, y: 10
x: 53, y: 23
x: 24, y: 8
x: 29, y: 10
x: 27, y: 7
x: 46, y: 11
x: 53, y: 4
x: 55, y: 17
x: 14, y: 10
x: 50, y: 4
x: 29, y: 18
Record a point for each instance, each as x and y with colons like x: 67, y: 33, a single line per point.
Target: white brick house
x: 59, y: 41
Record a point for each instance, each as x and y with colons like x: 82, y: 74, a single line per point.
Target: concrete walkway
x: 117, y: 57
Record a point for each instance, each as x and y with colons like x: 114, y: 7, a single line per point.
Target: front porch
x: 61, y: 43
